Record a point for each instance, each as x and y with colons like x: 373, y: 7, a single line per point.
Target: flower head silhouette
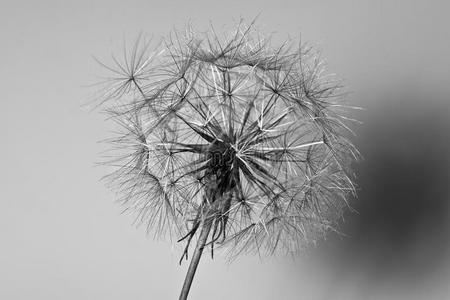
x: 229, y: 139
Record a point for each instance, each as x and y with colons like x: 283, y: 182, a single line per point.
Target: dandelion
x: 229, y: 141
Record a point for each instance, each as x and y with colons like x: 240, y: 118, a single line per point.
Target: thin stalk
x: 206, y: 227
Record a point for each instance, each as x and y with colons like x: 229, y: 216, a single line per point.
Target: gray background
x: 61, y: 235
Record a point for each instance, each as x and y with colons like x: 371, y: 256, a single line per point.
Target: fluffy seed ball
x: 231, y: 129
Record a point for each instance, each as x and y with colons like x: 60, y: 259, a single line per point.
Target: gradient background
x: 61, y: 235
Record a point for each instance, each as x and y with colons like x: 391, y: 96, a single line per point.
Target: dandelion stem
x: 201, y: 242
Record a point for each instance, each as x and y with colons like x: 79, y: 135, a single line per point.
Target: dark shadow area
x: 400, y: 236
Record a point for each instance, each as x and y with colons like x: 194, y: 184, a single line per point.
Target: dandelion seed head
x: 232, y: 129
